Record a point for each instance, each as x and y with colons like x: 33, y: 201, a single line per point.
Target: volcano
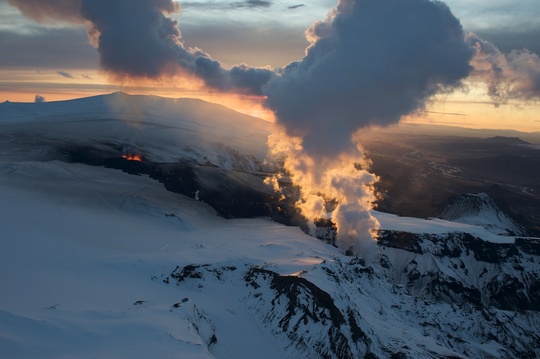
x: 180, y: 253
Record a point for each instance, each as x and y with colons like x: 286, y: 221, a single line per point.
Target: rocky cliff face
x: 458, y: 267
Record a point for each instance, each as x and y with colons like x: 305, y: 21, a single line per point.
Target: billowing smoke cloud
x: 370, y: 62
x: 512, y: 76
x: 136, y: 39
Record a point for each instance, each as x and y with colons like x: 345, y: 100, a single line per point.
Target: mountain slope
x: 162, y: 129
x: 480, y: 210
x: 191, y: 146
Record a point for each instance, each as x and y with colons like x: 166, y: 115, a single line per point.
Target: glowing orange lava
x: 131, y: 157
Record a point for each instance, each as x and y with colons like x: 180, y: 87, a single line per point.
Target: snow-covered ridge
x: 480, y: 210
x: 162, y: 129
x: 438, y: 226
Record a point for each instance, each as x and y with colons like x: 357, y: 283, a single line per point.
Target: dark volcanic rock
x: 232, y: 193
x: 402, y: 240
x: 305, y: 305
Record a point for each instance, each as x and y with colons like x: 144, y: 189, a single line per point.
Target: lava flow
x: 131, y: 157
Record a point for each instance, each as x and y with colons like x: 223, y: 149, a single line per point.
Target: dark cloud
x: 295, y: 6
x: 371, y: 62
x: 241, y: 78
x: 65, y: 74
x: 137, y: 39
x: 258, y: 3
x: 227, y: 5
x: 250, y: 78
x: 88, y: 77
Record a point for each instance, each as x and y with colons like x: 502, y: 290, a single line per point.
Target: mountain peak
x: 479, y: 209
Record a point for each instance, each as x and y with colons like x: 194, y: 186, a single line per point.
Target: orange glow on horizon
x: 472, y: 109
x: 184, y: 85
x: 23, y: 86
x: 480, y: 115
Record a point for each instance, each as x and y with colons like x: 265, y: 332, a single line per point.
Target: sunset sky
x: 56, y: 60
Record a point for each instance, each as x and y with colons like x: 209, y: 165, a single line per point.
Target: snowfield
x: 83, y: 259
x: 99, y: 263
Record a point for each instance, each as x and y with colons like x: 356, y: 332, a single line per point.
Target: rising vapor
x: 39, y: 99
x: 371, y: 62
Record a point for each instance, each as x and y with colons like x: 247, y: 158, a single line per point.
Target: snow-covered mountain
x: 100, y: 263
x: 161, y: 128
x: 479, y: 209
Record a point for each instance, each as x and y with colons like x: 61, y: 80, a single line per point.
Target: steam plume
x: 339, y: 189
x: 371, y: 62
x: 512, y: 76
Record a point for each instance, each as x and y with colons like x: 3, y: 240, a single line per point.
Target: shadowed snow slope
x: 480, y: 210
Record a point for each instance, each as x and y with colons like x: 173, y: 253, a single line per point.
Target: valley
x: 421, y: 171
